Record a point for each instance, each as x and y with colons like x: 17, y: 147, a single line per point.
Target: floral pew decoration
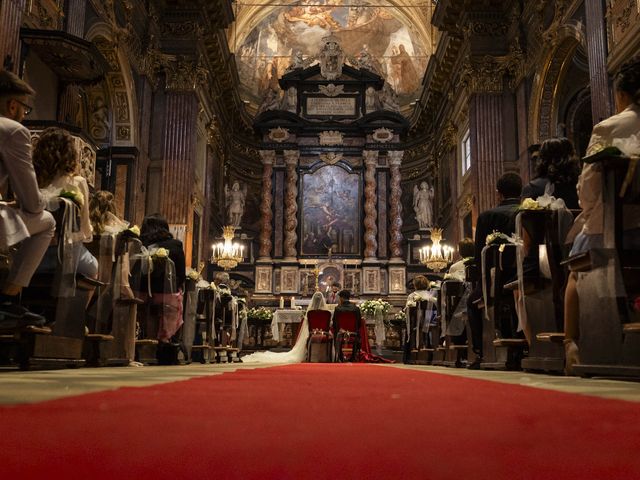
x: 376, y: 310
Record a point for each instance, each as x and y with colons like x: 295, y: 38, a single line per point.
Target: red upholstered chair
x: 347, y: 327
x: 320, y: 336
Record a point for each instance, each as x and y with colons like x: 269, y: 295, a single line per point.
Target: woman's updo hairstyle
x: 55, y: 154
x: 627, y: 80
x: 557, y: 161
x: 102, y: 204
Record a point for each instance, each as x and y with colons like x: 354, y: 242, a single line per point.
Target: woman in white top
x: 56, y: 162
x: 623, y: 131
x: 299, y: 351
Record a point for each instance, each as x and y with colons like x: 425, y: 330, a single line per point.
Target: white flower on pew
x: 193, y: 274
x: 400, y: 316
x: 72, y: 194
x: 531, y: 204
x: 161, y: 253
x: 135, y: 230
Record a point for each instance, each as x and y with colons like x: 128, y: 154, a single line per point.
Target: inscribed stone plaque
x: 331, y: 106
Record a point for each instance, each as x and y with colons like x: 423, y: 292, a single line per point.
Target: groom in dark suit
x: 345, y: 306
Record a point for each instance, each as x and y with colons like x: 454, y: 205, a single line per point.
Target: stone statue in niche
x: 291, y: 99
x: 370, y: 100
x: 331, y: 58
x: 270, y: 101
x: 235, y: 201
x: 389, y: 98
x: 423, y: 205
x: 296, y: 61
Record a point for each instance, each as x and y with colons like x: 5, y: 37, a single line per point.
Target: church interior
x: 233, y: 230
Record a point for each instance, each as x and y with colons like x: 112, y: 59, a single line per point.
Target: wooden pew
x: 419, y: 348
x: 542, y: 289
x: 201, y: 343
x: 60, y: 345
x: 456, y: 346
x: 149, y: 349
x: 608, y: 279
x: 502, y: 350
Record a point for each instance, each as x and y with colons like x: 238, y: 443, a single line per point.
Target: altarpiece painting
x: 331, y: 212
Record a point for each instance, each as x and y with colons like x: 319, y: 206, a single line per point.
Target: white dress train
x: 297, y: 354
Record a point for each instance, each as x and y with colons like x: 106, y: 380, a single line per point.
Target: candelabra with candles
x: 227, y: 254
x: 436, y: 257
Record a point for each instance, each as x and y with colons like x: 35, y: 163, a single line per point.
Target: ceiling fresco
x: 264, y: 50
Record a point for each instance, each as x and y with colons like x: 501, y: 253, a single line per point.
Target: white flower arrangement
x: 400, y: 316
x: 193, y: 274
x: 372, y: 307
x: 135, y: 230
x: 260, y: 313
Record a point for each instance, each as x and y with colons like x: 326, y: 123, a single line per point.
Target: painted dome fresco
x: 267, y: 38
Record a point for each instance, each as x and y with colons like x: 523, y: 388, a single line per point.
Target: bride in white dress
x: 299, y: 351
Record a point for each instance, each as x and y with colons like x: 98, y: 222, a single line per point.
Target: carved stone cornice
x: 185, y: 74
x: 487, y: 74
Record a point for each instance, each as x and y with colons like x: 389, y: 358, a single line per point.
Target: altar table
x: 280, y: 317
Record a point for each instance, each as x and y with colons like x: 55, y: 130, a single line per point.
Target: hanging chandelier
x: 227, y: 255
x: 436, y: 257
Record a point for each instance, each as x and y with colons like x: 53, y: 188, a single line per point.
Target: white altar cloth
x: 282, y: 317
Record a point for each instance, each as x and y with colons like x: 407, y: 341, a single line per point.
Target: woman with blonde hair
x: 57, y: 165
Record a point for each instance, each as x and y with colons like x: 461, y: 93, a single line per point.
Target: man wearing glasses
x: 18, y: 176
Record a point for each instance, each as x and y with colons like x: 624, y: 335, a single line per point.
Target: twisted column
x: 291, y: 204
x: 370, y: 213
x: 268, y: 158
x: 395, y: 159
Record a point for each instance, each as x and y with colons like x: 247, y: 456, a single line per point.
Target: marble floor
x: 29, y: 387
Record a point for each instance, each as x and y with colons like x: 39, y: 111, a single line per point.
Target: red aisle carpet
x: 323, y: 421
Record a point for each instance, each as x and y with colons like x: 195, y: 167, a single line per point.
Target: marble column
x: 71, y: 95
x: 601, y: 106
x: 487, y: 145
x: 268, y: 159
x: 370, y: 213
x: 179, y: 147
x: 10, y: 18
x: 291, y: 205
x: 395, y: 201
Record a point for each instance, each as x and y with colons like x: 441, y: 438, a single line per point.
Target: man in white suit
x: 18, y: 176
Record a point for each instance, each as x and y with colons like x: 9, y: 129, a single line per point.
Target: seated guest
x: 57, y: 163
x: 610, y: 132
x: 102, y: 213
x: 556, y: 170
x: 466, y: 250
x: 155, y: 233
x: 18, y: 176
x: 332, y: 294
x: 422, y: 292
x: 500, y: 219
